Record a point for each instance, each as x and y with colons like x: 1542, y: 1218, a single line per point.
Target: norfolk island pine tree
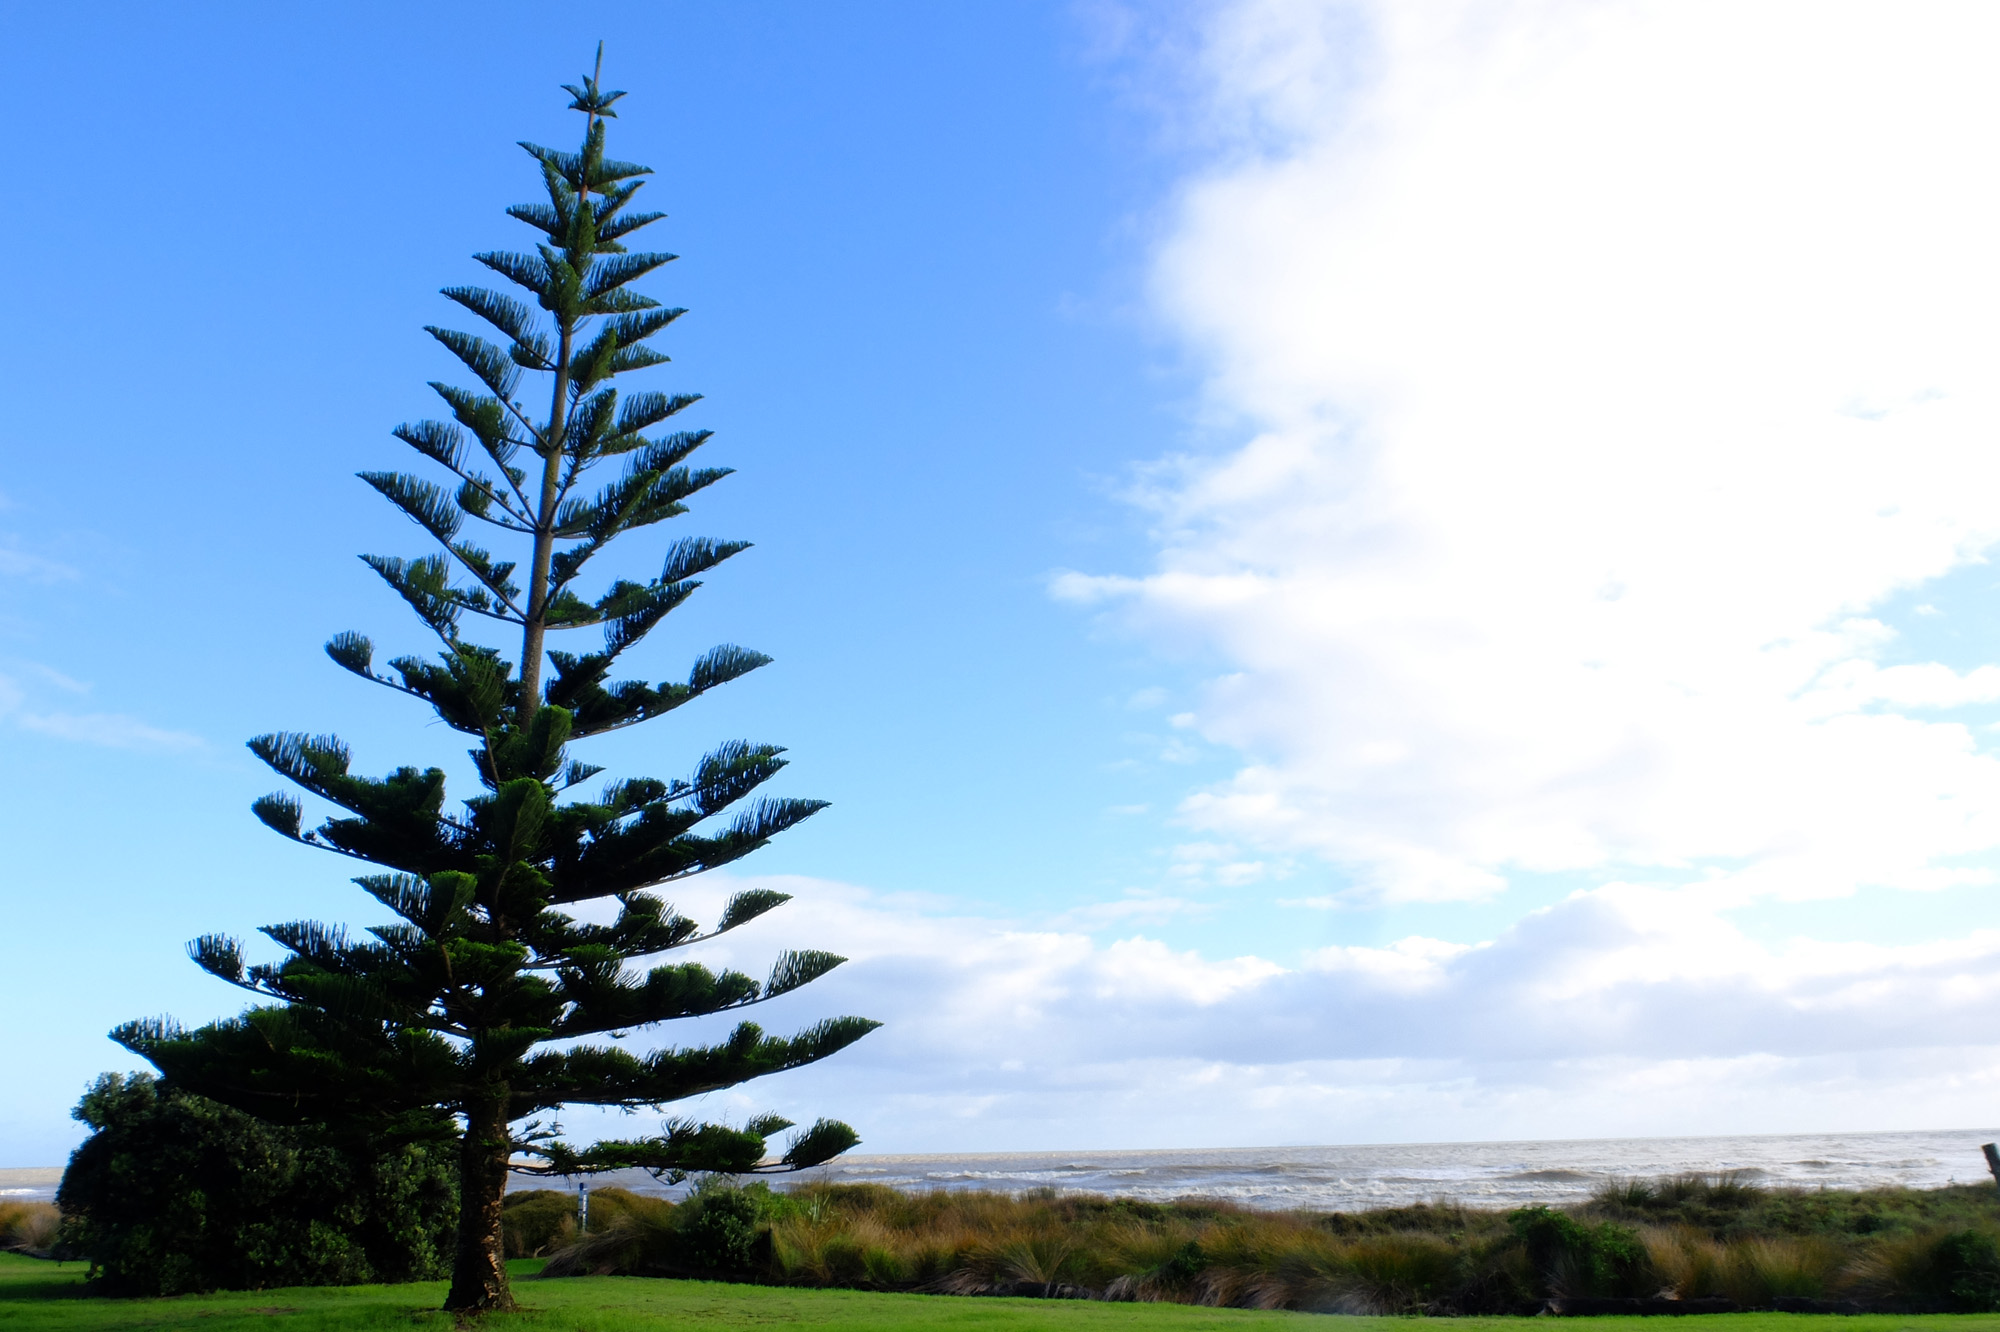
x: 471, y: 1015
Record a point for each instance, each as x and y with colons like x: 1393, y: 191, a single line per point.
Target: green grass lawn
x: 43, y: 1297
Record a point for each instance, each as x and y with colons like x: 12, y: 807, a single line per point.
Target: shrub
x: 174, y: 1194
x: 1572, y: 1258
x: 1965, y: 1265
x: 718, y: 1226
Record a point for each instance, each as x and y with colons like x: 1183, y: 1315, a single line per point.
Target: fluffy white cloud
x: 1604, y: 368
x: 1621, y: 1010
x: 1598, y: 372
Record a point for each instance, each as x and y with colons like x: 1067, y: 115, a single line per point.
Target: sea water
x: 1479, y: 1174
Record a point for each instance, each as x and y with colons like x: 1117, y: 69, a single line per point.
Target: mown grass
x: 38, y: 1296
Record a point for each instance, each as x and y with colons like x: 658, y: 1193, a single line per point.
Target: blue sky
x: 910, y: 239
x: 1306, y: 542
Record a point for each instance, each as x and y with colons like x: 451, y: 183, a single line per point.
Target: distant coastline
x: 1480, y: 1174
x: 30, y: 1183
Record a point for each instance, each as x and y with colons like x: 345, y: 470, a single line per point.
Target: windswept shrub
x: 175, y: 1194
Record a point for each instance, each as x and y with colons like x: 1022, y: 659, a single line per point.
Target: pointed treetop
x: 590, y: 99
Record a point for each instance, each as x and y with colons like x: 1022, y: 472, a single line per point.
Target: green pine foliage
x: 487, y: 999
x: 173, y: 1194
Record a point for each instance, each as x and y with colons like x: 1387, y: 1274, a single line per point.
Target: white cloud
x: 107, y: 729
x: 1216, y: 862
x: 1621, y: 1010
x: 1603, y: 367
x: 1132, y: 909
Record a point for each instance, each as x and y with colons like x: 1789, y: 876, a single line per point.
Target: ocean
x: 1479, y: 1174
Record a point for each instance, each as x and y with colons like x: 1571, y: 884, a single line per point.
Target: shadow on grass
x: 23, y: 1278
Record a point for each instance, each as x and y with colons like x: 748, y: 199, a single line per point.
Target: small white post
x: 582, y: 1208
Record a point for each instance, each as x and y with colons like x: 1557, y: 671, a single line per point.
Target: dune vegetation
x: 1713, y: 1243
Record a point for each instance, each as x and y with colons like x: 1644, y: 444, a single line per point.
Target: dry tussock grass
x: 28, y: 1225
x: 1198, y: 1253
x: 1436, y: 1259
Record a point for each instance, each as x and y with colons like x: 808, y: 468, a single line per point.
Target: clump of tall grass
x: 28, y: 1226
x: 1700, y: 1199
x: 1762, y: 1269
x: 1689, y: 1263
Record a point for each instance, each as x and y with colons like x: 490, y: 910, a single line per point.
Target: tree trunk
x: 479, y: 1272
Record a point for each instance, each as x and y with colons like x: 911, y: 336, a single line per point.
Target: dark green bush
x: 174, y: 1194
x: 1186, y: 1264
x: 718, y: 1226
x: 1572, y: 1258
x: 1964, y: 1269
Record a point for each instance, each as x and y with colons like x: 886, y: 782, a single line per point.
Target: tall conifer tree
x: 474, y: 1013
